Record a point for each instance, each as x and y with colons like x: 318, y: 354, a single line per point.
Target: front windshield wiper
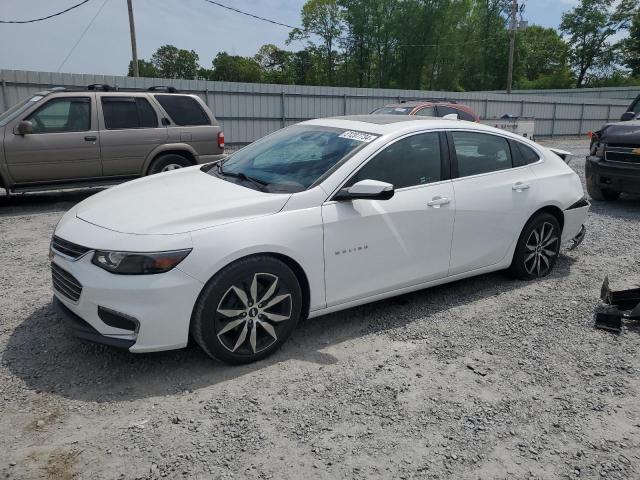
x: 259, y: 184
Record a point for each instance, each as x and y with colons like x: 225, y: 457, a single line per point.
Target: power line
x: 257, y: 17
x: 82, y: 35
x: 47, y: 17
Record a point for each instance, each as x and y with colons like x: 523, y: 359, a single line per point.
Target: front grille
x: 65, y: 284
x: 622, y: 154
x: 68, y: 248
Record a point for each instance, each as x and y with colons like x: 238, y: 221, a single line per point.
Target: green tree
x: 145, y: 69
x: 276, y: 64
x: 541, y: 59
x: 324, y: 19
x: 234, y: 68
x: 589, y: 27
x: 171, y: 62
x: 630, y: 46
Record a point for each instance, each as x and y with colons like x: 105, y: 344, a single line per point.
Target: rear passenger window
x: 128, y: 112
x: 462, y: 115
x: 522, y: 154
x: 183, y: 110
x: 411, y: 161
x: 480, y: 153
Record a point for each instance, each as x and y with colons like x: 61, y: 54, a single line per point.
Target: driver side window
x: 62, y: 115
x: 414, y: 160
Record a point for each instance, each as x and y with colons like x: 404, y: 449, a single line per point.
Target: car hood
x: 621, y: 132
x: 176, y: 202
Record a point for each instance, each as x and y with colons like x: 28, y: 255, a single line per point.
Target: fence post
x: 553, y: 120
x: 344, y: 104
x: 486, y: 107
x: 206, y: 99
x: 522, y: 108
x: 608, y: 112
x: 5, y: 105
x: 282, y: 109
x: 581, y: 120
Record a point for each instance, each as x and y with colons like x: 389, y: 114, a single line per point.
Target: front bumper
x: 159, y: 306
x: 617, y: 176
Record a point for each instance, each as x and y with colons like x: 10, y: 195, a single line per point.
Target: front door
x: 63, y: 146
x: 377, y: 246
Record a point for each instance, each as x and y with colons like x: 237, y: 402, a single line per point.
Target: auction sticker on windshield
x: 359, y: 136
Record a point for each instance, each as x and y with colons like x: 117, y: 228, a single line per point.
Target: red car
x: 431, y: 108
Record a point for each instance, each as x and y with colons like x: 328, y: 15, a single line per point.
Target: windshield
x: 293, y: 158
x: 16, y: 110
x: 393, y: 111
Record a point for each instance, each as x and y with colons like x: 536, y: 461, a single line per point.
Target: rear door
x: 130, y: 129
x: 63, y: 145
x: 494, y: 198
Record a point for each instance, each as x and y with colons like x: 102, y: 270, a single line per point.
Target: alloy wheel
x: 541, y: 248
x: 250, y: 315
x: 171, y: 166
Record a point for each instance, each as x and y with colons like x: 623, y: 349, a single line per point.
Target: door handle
x: 437, y: 201
x: 91, y: 138
x: 520, y: 186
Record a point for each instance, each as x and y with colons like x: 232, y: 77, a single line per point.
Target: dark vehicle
x: 430, y: 108
x: 632, y: 111
x: 613, y: 163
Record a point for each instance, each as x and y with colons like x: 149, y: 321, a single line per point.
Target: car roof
x: 390, y: 124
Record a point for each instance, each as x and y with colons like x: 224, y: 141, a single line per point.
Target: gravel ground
x: 483, y: 378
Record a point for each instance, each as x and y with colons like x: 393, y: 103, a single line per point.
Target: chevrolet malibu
x: 315, y: 218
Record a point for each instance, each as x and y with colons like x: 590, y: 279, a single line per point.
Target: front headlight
x: 134, y: 263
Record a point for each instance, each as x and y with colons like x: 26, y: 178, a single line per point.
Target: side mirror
x: 366, y: 190
x: 24, y: 127
x: 626, y: 116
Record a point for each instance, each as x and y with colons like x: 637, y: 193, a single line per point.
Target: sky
x: 191, y: 24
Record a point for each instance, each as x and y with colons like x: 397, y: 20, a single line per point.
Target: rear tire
x: 537, y: 248
x: 168, y: 162
x: 247, y: 310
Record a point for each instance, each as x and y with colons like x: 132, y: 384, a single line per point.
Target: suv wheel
x: 168, y: 162
x: 537, y: 249
x: 247, y: 310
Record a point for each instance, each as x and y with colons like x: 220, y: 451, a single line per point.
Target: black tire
x: 545, y: 252
x: 221, y: 335
x: 164, y: 162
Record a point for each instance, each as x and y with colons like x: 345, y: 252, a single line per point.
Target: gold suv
x: 96, y: 136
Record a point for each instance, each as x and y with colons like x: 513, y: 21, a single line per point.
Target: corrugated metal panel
x: 248, y: 111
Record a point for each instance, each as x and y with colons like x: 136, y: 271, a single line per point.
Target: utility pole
x: 134, y: 49
x: 512, y: 42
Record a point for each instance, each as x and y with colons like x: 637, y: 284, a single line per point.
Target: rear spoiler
x: 563, y: 154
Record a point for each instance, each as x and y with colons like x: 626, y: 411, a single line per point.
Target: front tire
x: 537, y: 249
x: 247, y: 310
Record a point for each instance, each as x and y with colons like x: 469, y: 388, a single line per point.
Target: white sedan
x: 318, y: 217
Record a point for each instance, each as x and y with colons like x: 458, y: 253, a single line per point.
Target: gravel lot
x: 483, y: 378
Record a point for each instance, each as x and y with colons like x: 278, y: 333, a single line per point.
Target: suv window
x: 480, y: 153
x: 462, y: 115
x: 414, y: 160
x: 427, y: 112
x: 128, y: 112
x: 68, y: 114
x: 183, y: 110
x: 522, y: 154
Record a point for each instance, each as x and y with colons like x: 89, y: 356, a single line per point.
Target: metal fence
x: 248, y: 111
x: 626, y: 93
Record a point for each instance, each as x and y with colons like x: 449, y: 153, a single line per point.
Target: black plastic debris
x: 616, y: 306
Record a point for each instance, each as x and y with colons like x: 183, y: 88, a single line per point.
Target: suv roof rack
x: 101, y: 87
x: 163, y: 88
